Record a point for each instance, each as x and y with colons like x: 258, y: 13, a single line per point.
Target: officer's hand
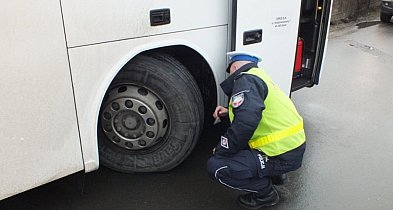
x: 220, y: 112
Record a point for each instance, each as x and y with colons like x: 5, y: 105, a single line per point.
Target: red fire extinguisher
x: 299, y: 58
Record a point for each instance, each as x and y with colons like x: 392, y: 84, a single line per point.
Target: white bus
x: 129, y: 84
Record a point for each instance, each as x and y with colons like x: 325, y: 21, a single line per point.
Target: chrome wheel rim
x: 134, y: 117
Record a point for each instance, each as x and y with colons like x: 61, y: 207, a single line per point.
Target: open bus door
x: 313, y: 38
x: 274, y: 29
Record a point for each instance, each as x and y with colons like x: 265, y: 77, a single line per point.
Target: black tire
x: 173, y: 107
x: 385, y: 18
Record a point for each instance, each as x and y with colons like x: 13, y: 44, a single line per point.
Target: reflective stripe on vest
x: 264, y: 140
x: 281, y: 127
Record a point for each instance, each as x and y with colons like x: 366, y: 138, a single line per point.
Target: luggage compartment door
x: 270, y: 29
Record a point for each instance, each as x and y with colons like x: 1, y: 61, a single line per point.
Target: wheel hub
x: 134, y: 118
x: 129, y: 124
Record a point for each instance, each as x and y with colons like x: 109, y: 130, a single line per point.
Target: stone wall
x: 350, y: 9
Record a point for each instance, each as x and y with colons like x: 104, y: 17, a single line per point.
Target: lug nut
x: 150, y: 134
x: 151, y: 121
x: 129, y: 145
x: 108, y: 128
x: 107, y: 116
x: 116, y: 139
x: 142, y: 143
x: 115, y: 106
x: 142, y: 110
x: 129, y: 104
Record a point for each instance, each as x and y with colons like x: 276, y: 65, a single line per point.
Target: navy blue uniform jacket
x: 248, y: 114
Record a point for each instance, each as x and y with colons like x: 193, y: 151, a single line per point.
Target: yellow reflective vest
x: 281, y: 127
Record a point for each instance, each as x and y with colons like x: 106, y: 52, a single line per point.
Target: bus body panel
x: 92, y: 21
x: 39, y: 133
x: 94, y: 67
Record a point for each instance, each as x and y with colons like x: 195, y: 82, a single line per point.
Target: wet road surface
x: 348, y: 162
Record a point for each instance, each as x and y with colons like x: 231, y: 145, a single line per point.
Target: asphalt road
x: 348, y: 162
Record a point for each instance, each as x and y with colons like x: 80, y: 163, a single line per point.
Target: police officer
x: 265, y: 139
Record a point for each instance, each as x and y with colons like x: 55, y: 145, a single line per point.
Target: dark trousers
x: 251, y: 170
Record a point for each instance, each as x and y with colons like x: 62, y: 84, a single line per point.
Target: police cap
x: 242, y: 56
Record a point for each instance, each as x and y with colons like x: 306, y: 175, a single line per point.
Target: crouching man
x: 266, y: 138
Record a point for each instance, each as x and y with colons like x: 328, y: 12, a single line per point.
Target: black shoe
x: 256, y: 200
x: 280, y: 179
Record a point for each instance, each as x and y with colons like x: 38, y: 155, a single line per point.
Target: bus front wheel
x: 151, y: 116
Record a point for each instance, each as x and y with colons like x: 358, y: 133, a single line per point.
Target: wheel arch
x: 186, y: 53
x: 201, y: 71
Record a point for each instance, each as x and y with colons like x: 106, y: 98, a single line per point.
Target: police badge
x: 237, y: 100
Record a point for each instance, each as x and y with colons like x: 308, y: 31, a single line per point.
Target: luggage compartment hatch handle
x: 160, y: 17
x: 252, y: 37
